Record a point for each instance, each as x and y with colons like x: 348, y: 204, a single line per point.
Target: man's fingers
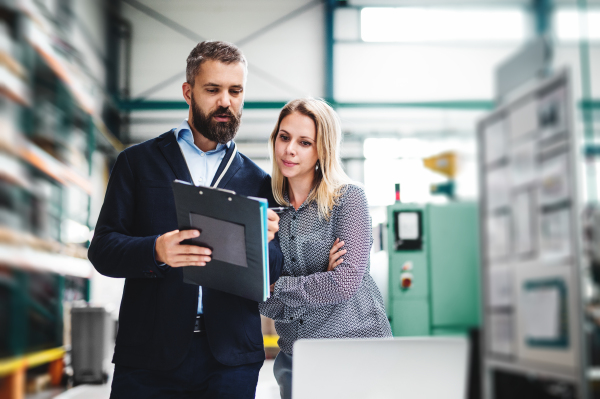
x: 192, y: 249
x: 273, y: 226
x: 191, y: 258
x: 186, y: 235
x: 271, y: 231
x: 272, y: 216
x: 183, y: 264
x: 171, y: 233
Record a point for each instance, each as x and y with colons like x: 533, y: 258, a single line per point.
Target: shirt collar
x: 286, y: 198
x: 186, y: 134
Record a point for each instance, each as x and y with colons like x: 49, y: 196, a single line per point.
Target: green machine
x: 433, y: 268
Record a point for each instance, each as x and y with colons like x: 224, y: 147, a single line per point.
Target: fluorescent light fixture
x: 567, y: 24
x: 380, y: 148
x: 389, y: 148
x: 419, y: 25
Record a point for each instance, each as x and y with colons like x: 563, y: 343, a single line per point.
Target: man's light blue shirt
x: 202, y: 165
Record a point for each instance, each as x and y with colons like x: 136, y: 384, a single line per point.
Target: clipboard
x: 235, y: 228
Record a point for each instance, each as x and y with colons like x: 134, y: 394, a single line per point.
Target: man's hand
x: 273, y: 223
x: 170, y: 251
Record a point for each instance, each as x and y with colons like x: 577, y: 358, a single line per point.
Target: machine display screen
x: 408, y: 230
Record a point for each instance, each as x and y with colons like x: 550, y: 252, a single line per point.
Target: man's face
x: 216, y: 100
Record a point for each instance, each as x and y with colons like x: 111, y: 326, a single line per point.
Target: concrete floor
x: 267, y: 388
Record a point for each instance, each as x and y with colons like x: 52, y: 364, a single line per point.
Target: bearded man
x: 178, y: 340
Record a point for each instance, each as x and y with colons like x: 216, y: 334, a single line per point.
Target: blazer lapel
x: 233, y: 168
x: 171, y: 151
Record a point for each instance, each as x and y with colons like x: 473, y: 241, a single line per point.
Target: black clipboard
x: 234, y: 227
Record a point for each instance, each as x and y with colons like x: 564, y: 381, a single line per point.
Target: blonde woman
x: 324, y: 291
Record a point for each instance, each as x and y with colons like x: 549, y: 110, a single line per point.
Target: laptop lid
x: 408, y: 368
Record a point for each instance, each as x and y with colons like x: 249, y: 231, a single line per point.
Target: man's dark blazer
x: 158, y: 309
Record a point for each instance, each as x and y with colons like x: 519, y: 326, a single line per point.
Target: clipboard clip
x: 214, y: 188
x: 225, y: 191
x: 220, y: 189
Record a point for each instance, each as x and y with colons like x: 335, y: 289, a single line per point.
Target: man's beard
x: 221, y: 132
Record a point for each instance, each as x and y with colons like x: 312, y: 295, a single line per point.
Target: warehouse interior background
x: 418, y: 85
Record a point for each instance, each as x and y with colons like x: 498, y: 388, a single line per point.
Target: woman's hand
x: 272, y: 288
x: 335, y: 254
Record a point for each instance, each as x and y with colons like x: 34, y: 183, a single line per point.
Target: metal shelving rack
x: 43, y: 182
x: 532, y: 261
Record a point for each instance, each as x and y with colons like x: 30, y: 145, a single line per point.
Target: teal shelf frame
x: 464, y: 105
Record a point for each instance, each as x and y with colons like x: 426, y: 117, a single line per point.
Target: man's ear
x: 186, y: 88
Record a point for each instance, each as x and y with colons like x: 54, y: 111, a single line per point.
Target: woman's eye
x: 306, y: 143
x: 283, y: 137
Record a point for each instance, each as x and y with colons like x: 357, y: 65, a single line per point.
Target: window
x: 567, y: 24
x: 389, y: 161
x: 419, y: 25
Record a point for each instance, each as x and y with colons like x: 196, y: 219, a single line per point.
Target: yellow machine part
x: 444, y: 163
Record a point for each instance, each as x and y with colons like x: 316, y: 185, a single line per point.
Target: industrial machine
x: 433, y: 268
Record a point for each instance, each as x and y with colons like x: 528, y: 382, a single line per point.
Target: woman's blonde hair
x: 330, y: 177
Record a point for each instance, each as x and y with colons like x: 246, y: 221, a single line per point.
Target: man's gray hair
x: 224, y: 52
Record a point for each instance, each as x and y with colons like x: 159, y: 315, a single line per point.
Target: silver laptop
x: 407, y: 368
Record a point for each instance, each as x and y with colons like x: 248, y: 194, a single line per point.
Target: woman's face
x: 296, y: 147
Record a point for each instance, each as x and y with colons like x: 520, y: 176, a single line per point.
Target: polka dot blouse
x: 309, y: 301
